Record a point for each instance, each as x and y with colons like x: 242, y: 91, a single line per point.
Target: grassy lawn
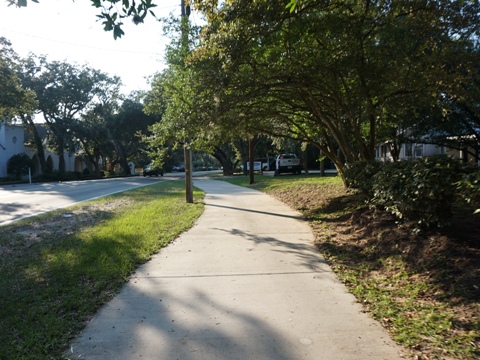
x: 57, y: 269
x: 423, y: 288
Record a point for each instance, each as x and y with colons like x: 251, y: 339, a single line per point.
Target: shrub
x: 57, y: 176
x: 19, y: 164
x: 422, y: 190
x: 388, y: 186
x: 360, y: 176
x: 416, y: 190
x: 469, y: 187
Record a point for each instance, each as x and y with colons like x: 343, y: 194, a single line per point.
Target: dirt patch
x: 19, y: 238
x: 443, y: 263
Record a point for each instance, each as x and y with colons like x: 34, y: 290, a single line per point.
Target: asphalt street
x: 24, y: 200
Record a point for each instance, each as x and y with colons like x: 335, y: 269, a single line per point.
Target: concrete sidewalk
x: 245, y: 282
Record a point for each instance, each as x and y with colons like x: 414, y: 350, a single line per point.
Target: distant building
x: 420, y: 150
x: 12, y: 142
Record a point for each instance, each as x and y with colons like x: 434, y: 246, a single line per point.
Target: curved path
x: 245, y: 282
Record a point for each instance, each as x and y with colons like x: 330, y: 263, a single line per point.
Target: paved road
x: 25, y: 200
x: 244, y: 283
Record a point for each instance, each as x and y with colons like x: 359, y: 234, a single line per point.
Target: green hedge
x: 18, y: 165
x: 422, y: 190
x: 67, y: 176
x: 360, y: 176
x: 469, y: 187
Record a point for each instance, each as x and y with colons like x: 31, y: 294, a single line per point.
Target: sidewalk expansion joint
x: 226, y: 275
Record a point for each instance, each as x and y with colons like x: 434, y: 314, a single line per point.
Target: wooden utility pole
x: 187, y: 152
x: 251, y: 155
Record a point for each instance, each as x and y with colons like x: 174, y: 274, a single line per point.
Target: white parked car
x: 288, y: 163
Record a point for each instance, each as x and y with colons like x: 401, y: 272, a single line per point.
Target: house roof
x: 42, y: 131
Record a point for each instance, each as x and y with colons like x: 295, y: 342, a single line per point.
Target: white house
x: 12, y: 142
x: 420, y: 150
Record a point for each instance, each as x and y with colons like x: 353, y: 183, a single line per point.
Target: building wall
x: 417, y: 150
x: 12, y: 142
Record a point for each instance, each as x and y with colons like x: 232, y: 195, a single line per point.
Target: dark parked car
x: 179, y: 168
x: 150, y: 170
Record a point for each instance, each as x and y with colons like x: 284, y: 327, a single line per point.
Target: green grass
x: 56, y: 271
x: 269, y: 184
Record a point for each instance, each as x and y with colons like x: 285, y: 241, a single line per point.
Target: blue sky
x: 68, y: 30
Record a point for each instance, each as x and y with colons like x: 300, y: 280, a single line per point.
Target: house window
x: 418, y: 151
x: 14, y: 139
x: 408, y: 150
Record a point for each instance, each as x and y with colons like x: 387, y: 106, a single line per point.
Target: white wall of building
x: 12, y: 142
x: 418, y: 150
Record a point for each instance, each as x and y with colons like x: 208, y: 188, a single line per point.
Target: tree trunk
x: 97, y: 167
x: 96, y: 152
x: 61, y: 162
x: 93, y: 158
x: 123, y: 159
x: 227, y: 165
x: 372, y: 139
x: 305, y: 161
x: 37, y: 140
x: 322, y: 164
x: 336, y: 157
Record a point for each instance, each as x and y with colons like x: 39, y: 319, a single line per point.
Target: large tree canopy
x: 338, y: 74
x: 125, y: 128
x: 81, y: 108
x: 342, y: 75
x: 65, y: 94
x: 14, y: 99
x: 186, y: 107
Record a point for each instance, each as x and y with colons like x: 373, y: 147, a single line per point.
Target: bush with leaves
x: 422, y: 190
x: 58, y: 176
x: 388, y: 187
x: 360, y: 176
x: 18, y: 165
x: 469, y: 187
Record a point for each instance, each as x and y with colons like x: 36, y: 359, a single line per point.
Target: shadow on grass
x: 51, y: 279
x: 336, y: 209
x: 55, y: 271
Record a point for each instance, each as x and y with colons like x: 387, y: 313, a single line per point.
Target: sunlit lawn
x: 57, y: 270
